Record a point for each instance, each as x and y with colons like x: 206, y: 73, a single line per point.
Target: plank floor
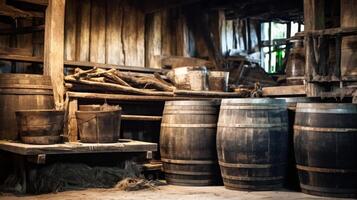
x: 169, y: 193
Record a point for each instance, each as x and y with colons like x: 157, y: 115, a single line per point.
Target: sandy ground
x: 168, y: 192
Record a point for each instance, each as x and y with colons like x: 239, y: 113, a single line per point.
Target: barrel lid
x: 254, y: 101
x: 326, y: 108
x: 193, y: 103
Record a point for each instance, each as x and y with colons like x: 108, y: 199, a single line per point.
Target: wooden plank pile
x: 115, y: 81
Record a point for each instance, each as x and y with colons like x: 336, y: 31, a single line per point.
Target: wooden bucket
x: 99, y: 126
x: 325, y: 138
x: 40, y: 126
x: 252, y: 138
x: 218, y: 81
x: 188, y: 141
x: 22, y: 92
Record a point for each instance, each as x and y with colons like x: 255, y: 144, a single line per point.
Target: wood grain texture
x: 97, y: 31
x: 133, y: 34
x: 70, y: 30
x: 114, y: 40
x: 83, y: 31
x: 75, y: 148
x: 153, y: 41
x: 54, y: 48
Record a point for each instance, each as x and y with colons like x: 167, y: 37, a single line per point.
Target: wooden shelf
x: 293, y: 90
x: 74, y: 64
x: 140, y: 118
x: 77, y: 147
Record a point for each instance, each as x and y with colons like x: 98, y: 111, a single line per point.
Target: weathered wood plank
x: 134, y: 36
x: 70, y: 30
x: 72, y: 134
x: 293, y: 90
x: 83, y: 30
x: 114, y: 40
x: 123, y: 97
x: 97, y: 32
x: 77, y: 148
x: 153, y: 37
x: 54, y: 48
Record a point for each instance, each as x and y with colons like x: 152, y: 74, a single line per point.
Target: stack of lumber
x: 115, y: 81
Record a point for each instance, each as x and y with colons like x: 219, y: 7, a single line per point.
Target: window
x: 273, y: 46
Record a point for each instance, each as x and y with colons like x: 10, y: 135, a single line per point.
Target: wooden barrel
x: 295, y: 68
x: 252, y: 138
x: 188, y: 141
x: 325, y: 141
x: 292, y: 178
x: 40, y: 126
x: 99, y: 126
x: 349, y: 43
x: 22, y: 92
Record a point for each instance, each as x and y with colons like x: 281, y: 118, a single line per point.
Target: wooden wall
x: 110, y: 31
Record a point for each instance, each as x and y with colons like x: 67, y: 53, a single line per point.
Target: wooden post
x: 54, y: 48
x: 314, y: 18
x: 72, y: 133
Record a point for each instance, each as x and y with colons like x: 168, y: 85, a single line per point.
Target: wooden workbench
x: 77, y: 147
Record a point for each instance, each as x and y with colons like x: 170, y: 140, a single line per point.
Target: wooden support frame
x: 54, y: 48
x: 314, y: 17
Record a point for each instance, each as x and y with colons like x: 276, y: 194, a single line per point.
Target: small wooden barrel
x: 40, y: 126
x: 252, y: 138
x: 22, y: 92
x: 295, y: 69
x: 187, y: 143
x: 325, y: 138
x: 99, y: 126
x: 292, y: 178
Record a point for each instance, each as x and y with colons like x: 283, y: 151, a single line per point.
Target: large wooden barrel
x: 295, y: 69
x: 325, y: 141
x: 252, y: 138
x: 22, y: 92
x: 349, y: 43
x: 292, y: 178
x: 188, y: 143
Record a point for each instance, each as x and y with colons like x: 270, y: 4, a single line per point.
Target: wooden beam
x: 293, y: 90
x: 22, y: 30
x: 13, y: 12
x: 37, y: 2
x: 20, y: 58
x: 150, y: 6
x: 314, y: 18
x: 54, y: 48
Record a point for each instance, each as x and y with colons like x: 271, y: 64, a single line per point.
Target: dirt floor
x: 167, y: 193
